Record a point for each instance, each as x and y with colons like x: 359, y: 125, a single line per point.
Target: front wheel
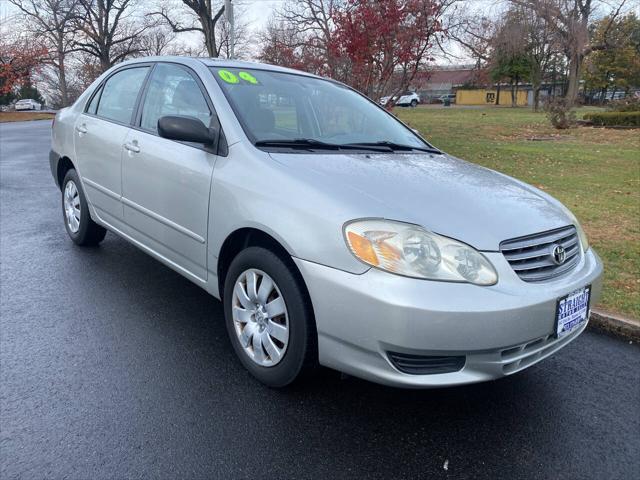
x: 269, y: 318
x: 75, y: 212
x: 414, y: 103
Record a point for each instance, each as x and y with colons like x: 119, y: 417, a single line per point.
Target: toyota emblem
x: 559, y: 254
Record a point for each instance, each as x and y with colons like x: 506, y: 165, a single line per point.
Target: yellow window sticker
x: 247, y: 77
x: 227, y: 76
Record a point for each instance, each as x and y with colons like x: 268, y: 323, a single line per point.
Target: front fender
x: 251, y: 190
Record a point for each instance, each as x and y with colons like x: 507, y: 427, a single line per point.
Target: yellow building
x: 489, y: 97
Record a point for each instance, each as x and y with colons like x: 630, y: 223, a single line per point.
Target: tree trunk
x: 62, y: 77
x: 104, y: 57
x: 209, y: 31
x: 513, y: 95
x: 575, y: 67
x: 105, y: 63
x: 536, y: 98
x: 498, y: 94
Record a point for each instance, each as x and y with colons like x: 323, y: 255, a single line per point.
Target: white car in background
x: 27, y: 104
x: 408, y: 99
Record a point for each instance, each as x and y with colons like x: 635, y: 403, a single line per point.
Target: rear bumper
x: 54, y: 158
x: 499, y: 330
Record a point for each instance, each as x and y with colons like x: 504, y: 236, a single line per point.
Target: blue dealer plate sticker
x: 572, y: 311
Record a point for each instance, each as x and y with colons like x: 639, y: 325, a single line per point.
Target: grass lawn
x: 24, y: 116
x: 595, y: 172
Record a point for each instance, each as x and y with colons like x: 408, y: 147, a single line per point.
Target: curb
x: 615, y: 324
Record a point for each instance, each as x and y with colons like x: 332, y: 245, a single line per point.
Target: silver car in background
x: 332, y: 232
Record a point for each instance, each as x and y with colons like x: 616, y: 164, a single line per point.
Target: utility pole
x: 228, y: 11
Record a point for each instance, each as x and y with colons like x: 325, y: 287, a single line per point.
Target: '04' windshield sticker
x: 232, y: 78
x: 227, y: 76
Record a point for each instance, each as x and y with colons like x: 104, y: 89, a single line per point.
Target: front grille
x: 426, y: 364
x: 532, y: 259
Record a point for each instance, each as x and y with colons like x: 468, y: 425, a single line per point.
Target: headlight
x: 581, y: 235
x: 412, y: 251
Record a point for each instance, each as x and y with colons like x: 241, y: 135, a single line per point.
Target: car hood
x: 443, y: 194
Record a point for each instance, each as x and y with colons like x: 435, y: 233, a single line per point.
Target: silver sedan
x: 332, y: 232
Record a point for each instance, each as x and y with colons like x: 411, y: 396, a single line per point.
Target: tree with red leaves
x: 385, y: 42
x: 18, y: 62
x: 376, y: 46
x: 299, y: 37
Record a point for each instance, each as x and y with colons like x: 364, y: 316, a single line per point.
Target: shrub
x: 560, y: 113
x: 617, y: 119
x: 627, y: 104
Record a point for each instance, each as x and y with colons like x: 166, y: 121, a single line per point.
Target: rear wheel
x: 75, y: 212
x: 268, y: 317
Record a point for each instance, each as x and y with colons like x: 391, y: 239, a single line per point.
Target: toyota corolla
x: 332, y: 232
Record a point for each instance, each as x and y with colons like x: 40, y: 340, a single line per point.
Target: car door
x: 100, y: 132
x: 165, y: 183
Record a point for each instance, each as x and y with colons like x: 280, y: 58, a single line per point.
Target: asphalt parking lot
x: 114, y: 366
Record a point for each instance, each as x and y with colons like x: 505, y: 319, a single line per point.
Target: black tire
x: 414, y: 103
x: 89, y: 232
x: 300, y: 357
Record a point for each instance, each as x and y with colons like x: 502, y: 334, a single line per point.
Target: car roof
x: 219, y: 62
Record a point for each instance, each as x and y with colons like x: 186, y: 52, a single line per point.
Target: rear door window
x: 120, y: 93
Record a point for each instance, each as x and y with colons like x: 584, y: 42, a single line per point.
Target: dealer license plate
x: 572, y: 311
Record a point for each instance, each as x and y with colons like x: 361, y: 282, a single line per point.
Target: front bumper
x: 500, y: 329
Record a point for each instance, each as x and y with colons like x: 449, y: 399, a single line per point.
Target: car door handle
x: 81, y: 129
x: 132, y: 148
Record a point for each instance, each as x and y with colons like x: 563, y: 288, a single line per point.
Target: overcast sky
x: 258, y: 12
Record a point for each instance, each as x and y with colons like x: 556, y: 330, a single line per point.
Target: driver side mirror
x: 186, y: 129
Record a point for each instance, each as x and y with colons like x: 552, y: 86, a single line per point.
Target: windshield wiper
x: 312, y: 144
x: 396, y: 146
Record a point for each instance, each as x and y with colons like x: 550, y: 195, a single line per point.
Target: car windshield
x: 284, y: 108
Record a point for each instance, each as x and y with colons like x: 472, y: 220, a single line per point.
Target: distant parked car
x: 407, y: 99
x: 609, y: 96
x: 27, y: 104
x: 451, y: 97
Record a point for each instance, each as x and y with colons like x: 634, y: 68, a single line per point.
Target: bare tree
x: 312, y: 20
x: 110, y: 31
x: 570, y: 19
x: 281, y: 44
x: 242, y: 42
x: 509, y: 57
x: 473, y: 29
x: 208, y: 17
x: 157, y: 41
x: 541, y: 49
x: 52, y: 22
